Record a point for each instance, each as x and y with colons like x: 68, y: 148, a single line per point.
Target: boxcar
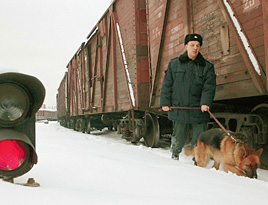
x: 62, y: 102
x: 114, y: 78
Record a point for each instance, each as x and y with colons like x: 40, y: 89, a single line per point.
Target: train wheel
x: 81, y: 126
x: 115, y: 126
x: 110, y: 128
x: 88, y: 127
x: 72, y: 124
x: 151, y: 130
x: 65, y: 123
x: 77, y: 126
x: 261, y: 108
x: 68, y: 123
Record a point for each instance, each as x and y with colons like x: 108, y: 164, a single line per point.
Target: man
x: 189, y: 81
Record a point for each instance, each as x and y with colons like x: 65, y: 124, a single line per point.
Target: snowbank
x: 77, y: 168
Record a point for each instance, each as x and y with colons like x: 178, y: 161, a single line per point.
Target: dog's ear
x: 259, y: 152
x: 243, y: 152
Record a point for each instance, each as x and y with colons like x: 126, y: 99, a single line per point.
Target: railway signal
x: 21, y: 96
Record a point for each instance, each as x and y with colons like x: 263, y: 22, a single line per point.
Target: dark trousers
x: 181, y: 131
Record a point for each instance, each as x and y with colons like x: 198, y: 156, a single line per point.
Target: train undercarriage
x: 153, y: 128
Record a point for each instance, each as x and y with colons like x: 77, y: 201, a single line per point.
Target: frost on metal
x: 243, y: 37
x: 126, y: 66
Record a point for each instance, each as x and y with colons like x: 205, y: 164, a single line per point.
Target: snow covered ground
x: 76, y: 168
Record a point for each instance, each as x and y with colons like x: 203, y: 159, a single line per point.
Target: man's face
x: 192, y: 48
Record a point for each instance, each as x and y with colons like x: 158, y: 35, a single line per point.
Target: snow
x: 126, y: 66
x: 102, y: 168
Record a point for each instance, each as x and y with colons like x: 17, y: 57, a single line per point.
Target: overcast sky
x: 39, y: 37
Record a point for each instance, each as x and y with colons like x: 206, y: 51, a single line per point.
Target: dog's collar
x: 236, y: 141
x: 240, y: 170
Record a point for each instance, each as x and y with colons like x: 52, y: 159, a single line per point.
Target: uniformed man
x: 189, y: 81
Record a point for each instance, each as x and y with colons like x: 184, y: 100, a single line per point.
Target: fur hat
x: 193, y: 37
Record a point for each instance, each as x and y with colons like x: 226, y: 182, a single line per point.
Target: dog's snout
x: 251, y: 175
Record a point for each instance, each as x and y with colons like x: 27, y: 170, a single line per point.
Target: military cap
x: 193, y: 37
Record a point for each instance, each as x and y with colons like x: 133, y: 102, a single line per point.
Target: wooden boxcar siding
x: 104, y: 84
x: 232, y: 70
x: 92, y: 62
x: 75, y: 88
x: 166, y: 35
x: 208, y: 20
x: 251, y: 17
x: 98, y: 82
x: 133, y: 27
x: 62, y: 98
x: 71, y: 78
x: 81, y: 79
x: 88, y: 75
x: 220, y: 44
x: 126, y: 18
x: 95, y: 87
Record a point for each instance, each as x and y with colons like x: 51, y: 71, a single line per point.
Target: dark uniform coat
x: 188, y: 83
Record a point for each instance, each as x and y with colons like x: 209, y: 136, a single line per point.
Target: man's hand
x: 204, y: 108
x: 166, y: 108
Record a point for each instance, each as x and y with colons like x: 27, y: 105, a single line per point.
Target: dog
x: 233, y: 154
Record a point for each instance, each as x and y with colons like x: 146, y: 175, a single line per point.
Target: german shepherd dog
x: 233, y: 154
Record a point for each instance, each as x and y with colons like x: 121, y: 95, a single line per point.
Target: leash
x: 217, y: 121
x: 223, y: 128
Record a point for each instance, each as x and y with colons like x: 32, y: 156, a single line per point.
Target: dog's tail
x: 189, y: 151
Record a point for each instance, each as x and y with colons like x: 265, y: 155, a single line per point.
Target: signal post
x: 21, y: 96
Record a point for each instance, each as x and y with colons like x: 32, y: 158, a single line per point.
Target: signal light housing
x: 20, y: 98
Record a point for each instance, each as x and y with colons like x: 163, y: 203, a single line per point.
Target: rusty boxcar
x: 62, y: 100
x: 108, y: 77
x: 115, y: 77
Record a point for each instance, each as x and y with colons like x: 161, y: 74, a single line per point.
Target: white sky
x: 39, y: 37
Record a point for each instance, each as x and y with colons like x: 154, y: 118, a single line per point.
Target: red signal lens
x: 12, y: 154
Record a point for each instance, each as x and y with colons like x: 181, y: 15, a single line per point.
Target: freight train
x: 114, y: 79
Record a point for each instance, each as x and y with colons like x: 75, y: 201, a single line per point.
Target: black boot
x: 175, y: 156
